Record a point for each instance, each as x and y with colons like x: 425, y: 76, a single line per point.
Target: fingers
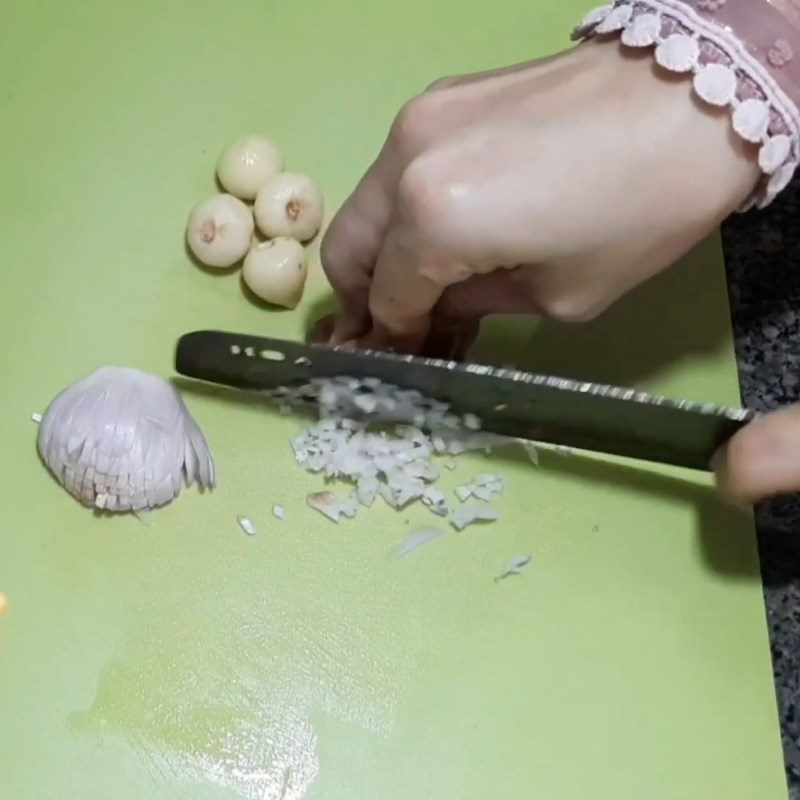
x: 439, y: 252
x: 424, y: 252
x: 355, y: 237
x: 322, y: 330
x: 400, y: 238
x: 351, y: 246
x: 763, y: 459
x: 402, y: 295
x: 502, y: 291
x: 450, y: 339
x: 457, y: 315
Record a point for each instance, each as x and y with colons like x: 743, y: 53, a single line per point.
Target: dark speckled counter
x: 762, y: 252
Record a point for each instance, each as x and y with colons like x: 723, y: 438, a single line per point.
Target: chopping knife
x: 510, y: 402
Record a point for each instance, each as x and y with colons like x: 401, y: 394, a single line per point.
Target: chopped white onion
x: 350, y: 506
x: 483, y: 487
x: 514, y: 567
x: 482, y: 493
x: 397, y: 465
x: 413, y: 540
x: 36, y: 417
x: 532, y: 452
x: 472, y: 422
x: 326, y: 503
x: 464, y: 492
x: 495, y: 482
x: 436, y: 501
x: 366, y: 403
x: 279, y: 512
x: 467, y: 513
x: 247, y: 525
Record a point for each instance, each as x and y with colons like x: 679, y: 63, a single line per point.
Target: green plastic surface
x: 183, y: 659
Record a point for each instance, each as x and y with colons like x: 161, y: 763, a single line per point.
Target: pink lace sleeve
x: 740, y: 54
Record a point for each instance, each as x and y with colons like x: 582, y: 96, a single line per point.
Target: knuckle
x: 331, y: 254
x: 344, y: 276
x: 429, y: 195
x: 442, y: 83
x: 413, y: 123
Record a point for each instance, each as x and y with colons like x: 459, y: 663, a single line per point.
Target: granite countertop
x: 762, y: 254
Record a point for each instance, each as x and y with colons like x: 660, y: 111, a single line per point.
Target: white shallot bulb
x: 247, y: 164
x: 220, y: 230
x: 123, y: 440
x: 276, y: 271
x: 289, y: 204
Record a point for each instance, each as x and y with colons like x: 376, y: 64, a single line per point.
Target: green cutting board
x: 183, y: 659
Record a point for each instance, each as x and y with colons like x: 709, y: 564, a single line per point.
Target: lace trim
x: 724, y: 74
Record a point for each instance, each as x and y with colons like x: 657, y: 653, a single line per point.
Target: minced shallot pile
x: 386, y: 441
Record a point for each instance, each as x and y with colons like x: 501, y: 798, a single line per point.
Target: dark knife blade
x: 509, y: 402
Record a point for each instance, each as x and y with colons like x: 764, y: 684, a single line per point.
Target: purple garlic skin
x: 123, y: 440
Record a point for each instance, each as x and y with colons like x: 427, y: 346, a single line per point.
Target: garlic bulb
x: 123, y: 440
